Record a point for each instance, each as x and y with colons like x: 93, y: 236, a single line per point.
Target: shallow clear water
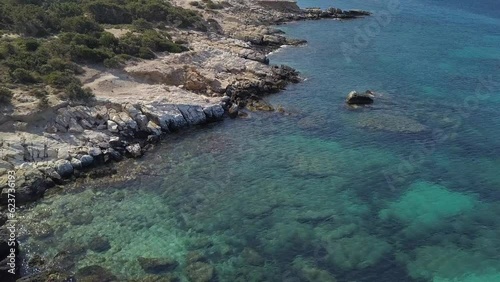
x: 405, y: 190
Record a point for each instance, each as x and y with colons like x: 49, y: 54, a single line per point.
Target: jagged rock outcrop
x: 354, y: 98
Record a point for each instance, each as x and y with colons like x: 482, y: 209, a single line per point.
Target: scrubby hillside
x: 44, y: 41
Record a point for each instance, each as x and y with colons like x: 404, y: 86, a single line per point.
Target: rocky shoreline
x: 225, y: 72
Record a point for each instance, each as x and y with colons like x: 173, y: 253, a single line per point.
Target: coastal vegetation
x: 44, y: 42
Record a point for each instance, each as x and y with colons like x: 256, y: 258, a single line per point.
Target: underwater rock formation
x: 156, y: 265
x: 426, y: 206
x: 357, y: 252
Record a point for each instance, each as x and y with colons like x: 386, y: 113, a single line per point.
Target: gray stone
x: 101, y: 127
x: 94, y: 151
x: 132, y: 111
x: 74, y: 127
x: 154, y: 128
x: 117, y: 119
x: 86, y: 124
x: 233, y: 111
x: 115, y: 142
x: 87, y: 160
x: 76, y: 163
x: 135, y: 150
x: 214, y: 113
x: 194, y: 115
x: 64, y: 168
x: 142, y: 122
x: 128, y: 121
x: 113, y: 154
x: 53, y: 174
x: 167, y: 116
x: 112, y: 126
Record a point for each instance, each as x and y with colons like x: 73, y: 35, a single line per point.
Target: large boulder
x: 64, y: 168
x: 167, y: 116
x: 354, y: 98
x: 214, y: 113
x: 194, y: 115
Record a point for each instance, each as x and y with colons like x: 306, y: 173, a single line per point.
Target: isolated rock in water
x: 354, y: 98
x: 64, y: 168
x: 156, y: 265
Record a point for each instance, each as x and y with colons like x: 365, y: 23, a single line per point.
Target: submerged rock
x: 308, y: 271
x: 95, y: 273
x: 99, y: 244
x: 48, y: 275
x: 389, y: 122
x: 354, y: 98
x: 81, y: 219
x: 200, y: 272
x: 252, y: 257
x: 357, y: 252
x: 156, y: 265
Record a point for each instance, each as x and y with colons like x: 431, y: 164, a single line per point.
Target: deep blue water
x: 404, y: 190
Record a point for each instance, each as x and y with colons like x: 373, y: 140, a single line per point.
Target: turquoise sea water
x: 404, y: 190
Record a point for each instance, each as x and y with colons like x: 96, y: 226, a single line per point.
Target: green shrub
x: 5, y: 95
x: 142, y: 25
x: 60, y: 79
x: 39, y: 93
x: 114, y: 63
x: 81, y: 53
x: 43, y: 99
x: 195, y: 4
x: 75, y: 92
x: 108, y: 40
x: 65, y: 10
x: 80, y: 24
x: 108, y: 13
x: 30, y: 44
x: 214, y: 6
x: 24, y: 76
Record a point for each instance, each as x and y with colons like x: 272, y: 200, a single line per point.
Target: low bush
x: 5, y: 95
